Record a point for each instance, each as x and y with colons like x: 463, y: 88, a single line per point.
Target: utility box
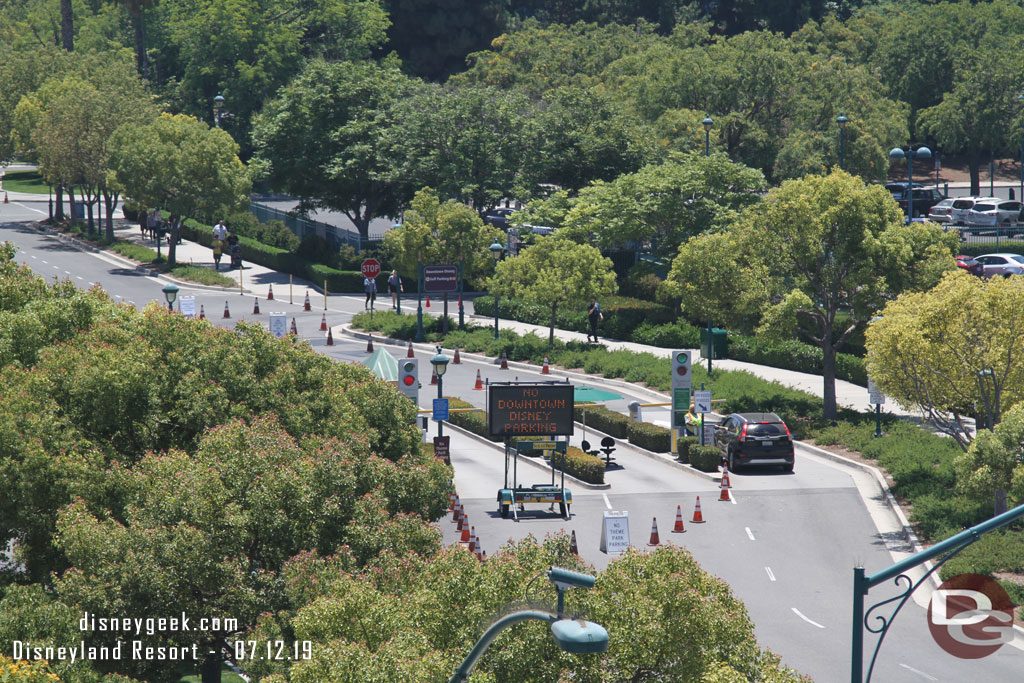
x: 714, y: 346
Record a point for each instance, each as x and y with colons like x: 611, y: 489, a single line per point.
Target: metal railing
x: 303, y: 227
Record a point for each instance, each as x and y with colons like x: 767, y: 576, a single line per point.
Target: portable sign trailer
x: 529, y: 412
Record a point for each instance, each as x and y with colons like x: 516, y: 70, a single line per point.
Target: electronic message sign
x: 531, y: 410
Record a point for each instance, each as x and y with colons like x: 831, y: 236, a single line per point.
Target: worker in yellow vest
x: 694, y: 422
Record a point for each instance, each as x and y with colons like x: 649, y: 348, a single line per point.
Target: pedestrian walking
x: 235, y: 250
x: 220, y: 231
x: 370, y: 287
x: 394, y: 287
x: 594, y: 315
x: 152, y: 223
x: 218, y: 247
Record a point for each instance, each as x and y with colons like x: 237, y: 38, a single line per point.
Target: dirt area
x: 954, y: 170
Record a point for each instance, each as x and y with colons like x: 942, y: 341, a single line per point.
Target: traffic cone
x: 474, y: 543
x: 5, y: 197
x: 451, y: 501
x: 726, y: 484
x: 330, y: 337
x: 483, y: 555
x: 256, y: 305
x: 504, y: 361
x: 428, y: 301
x: 306, y: 306
x: 369, y: 344
x: 408, y: 354
x: 724, y: 494
x: 202, y: 312
x: 573, y: 548
x: 545, y: 370
x: 227, y: 313
x: 457, y: 512
x: 457, y: 360
x: 294, y: 329
x: 465, y: 533
x: 323, y: 323
x: 270, y: 293
x: 654, y: 532
x: 678, y: 529
x: 479, y: 386
x: 698, y: 518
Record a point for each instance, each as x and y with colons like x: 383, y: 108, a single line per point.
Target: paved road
x: 786, y: 546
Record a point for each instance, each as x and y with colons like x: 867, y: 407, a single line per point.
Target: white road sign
x: 279, y: 324
x: 187, y: 304
x: 702, y: 401
x: 875, y: 395
x: 615, y: 532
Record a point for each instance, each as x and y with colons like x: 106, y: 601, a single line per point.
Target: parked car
x: 755, y: 439
x: 900, y: 188
x: 1001, y: 264
x: 941, y: 212
x: 499, y: 217
x: 924, y: 200
x: 963, y: 205
x: 970, y: 264
x: 992, y: 213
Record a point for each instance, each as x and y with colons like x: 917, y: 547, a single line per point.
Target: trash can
x: 715, y: 345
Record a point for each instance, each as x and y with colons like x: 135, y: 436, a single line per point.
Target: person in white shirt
x: 220, y: 231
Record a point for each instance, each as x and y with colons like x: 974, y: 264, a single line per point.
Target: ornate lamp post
x: 440, y: 363
x: 897, y: 154
x: 170, y: 293
x: 218, y: 105
x: 841, y: 121
x: 496, y: 254
x: 707, y: 123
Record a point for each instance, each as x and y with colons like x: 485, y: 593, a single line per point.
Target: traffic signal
x: 409, y: 378
x: 682, y: 383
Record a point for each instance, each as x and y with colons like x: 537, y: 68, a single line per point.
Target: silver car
x: 963, y: 205
x: 942, y: 212
x: 986, y: 213
x: 1001, y: 264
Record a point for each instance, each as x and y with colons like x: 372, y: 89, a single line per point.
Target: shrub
x: 131, y: 209
x: 650, y: 436
x: 678, y: 335
x: 795, y: 355
x: 581, y: 465
x: 685, y: 444
x: 705, y: 458
x: 621, y: 314
x: 604, y: 420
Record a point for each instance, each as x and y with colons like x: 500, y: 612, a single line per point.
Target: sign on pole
x: 702, y: 401
x: 615, y: 532
x: 875, y: 394
x: 278, y: 324
x: 531, y: 410
x: 440, y: 279
x: 709, y: 435
x: 370, y: 268
x: 440, y: 409
x: 442, y: 448
x: 187, y: 304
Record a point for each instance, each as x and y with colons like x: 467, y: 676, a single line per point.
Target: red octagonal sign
x: 370, y: 267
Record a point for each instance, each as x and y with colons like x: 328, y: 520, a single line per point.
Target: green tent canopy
x: 383, y: 365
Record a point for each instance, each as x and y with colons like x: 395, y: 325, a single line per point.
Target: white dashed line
x: 770, y: 575
x: 732, y: 497
x: 812, y: 623
x: 78, y: 277
x: 33, y: 256
x: 919, y: 673
x: 750, y: 534
x: 607, y: 503
x: 68, y: 272
x: 119, y: 296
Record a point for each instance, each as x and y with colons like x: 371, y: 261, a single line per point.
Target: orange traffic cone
x: 698, y: 518
x: 227, y: 313
x: 466, y: 536
x: 294, y: 329
x: 724, y: 494
x: 483, y: 555
x: 726, y: 484
x: 256, y: 306
x: 678, y: 528
x: 479, y: 386
x: 408, y: 354
x: 451, y: 500
x: 457, y: 512
x: 369, y: 344
x: 573, y: 548
x: 5, y: 197
x: 457, y: 360
x: 428, y: 301
x: 202, y: 312
x: 330, y: 337
x: 654, y: 532
x: 323, y: 323
x: 270, y: 292
x: 545, y: 370
x: 504, y: 361
x: 474, y: 543
x: 306, y: 306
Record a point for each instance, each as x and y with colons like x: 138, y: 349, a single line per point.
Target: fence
x: 303, y: 227
x: 991, y: 238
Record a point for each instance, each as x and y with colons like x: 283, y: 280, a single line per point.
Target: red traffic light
x: 408, y: 380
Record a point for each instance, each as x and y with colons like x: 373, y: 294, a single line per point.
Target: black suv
x: 499, y: 217
x: 755, y: 439
x: 924, y: 198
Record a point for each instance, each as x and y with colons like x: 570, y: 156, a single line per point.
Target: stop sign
x: 370, y: 267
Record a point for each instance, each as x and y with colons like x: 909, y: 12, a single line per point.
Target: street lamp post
x: 496, y: 254
x: 218, y: 104
x: 841, y: 120
x: 170, y: 293
x: 897, y: 154
x: 51, y: 189
x: 574, y: 636
x: 440, y: 363
x: 707, y: 123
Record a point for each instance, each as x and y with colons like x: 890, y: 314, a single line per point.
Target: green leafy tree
x: 200, y: 172
x: 555, y: 272
x: 949, y: 352
x: 436, y: 232
x: 994, y: 462
x: 320, y: 139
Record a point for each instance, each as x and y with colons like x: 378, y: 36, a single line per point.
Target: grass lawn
x: 203, y: 276
x: 25, y: 181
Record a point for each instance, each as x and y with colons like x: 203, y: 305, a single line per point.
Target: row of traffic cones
x: 467, y: 533
x: 698, y: 515
x: 306, y: 305
x: 294, y: 328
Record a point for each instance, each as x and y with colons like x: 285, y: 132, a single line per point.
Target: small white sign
x: 702, y: 401
x: 279, y: 324
x: 615, y: 532
x: 875, y: 395
x: 187, y: 304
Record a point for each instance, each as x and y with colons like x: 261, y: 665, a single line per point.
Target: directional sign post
x: 440, y: 409
x: 702, y: 401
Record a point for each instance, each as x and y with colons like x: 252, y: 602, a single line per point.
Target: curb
x: 535, y: 463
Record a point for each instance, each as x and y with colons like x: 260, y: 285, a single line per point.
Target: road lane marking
x: 770, y: 575
x: 812, y: 623
x: 732, y: 497
x: 750, y: 534
x: 68, y: 272
x: 33, y: 256
x: 919, y: 673
x: 119, y: 296
x: 79, y: 277
x: 29, y: 208
x: 607, y: 504
x: 43, y: 261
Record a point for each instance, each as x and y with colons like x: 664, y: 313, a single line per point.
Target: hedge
x: 580, y: 465
x: 621, y: 315
x: 650, y: 436
x: 1006, y: 246
x: 795, y: 355
x: 705, y: 458
x: 604, y: 420
x: 685, y: 444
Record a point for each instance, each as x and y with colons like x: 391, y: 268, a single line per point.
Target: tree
x: 436, y: 232
x: 179, y: 164
x: 321, y: 139
x: 827, y: 245
x: 950, y: 352
x: 555, y: 272
x: 994, y: 462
